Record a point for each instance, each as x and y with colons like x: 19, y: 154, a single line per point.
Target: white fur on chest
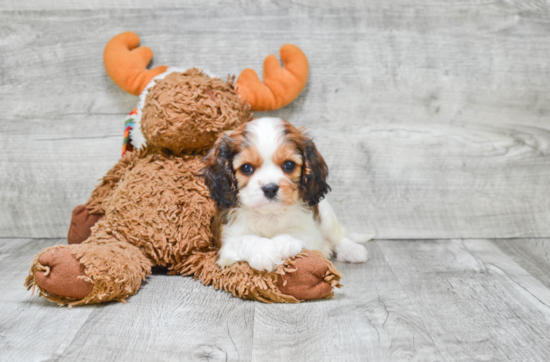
x: 266, y: 238
x: 295, y: 219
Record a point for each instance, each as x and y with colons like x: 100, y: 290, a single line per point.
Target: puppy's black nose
x: 270, y: 190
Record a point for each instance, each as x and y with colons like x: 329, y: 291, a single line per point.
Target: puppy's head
x: 265, y: 164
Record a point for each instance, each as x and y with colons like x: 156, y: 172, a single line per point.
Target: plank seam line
x: 253, y: 334
x: 77, y: 332
x: 410, y: 301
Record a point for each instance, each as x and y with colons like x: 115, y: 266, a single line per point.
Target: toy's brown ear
x: 281, y: 85
x: 126, y: 63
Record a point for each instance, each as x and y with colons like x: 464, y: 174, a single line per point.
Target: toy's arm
x: 109, y: 181
x: 308, y: 275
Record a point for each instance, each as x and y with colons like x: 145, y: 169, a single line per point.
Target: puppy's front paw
x: 350, y: 252
x: 287, y: 245
x: 264, y: 255
x: 262, y: 263
x: 224, y: 262
x: 228, y: 255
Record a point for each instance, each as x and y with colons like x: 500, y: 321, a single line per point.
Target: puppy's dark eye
x: 247, y: 169
x: 289, y: 166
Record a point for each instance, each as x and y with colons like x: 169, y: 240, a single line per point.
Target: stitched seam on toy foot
x: 41, y: 267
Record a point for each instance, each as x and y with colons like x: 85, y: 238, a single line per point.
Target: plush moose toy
x: 153, y: 209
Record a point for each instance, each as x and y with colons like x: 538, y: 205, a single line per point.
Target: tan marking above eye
x: 248, y: 155
x: 287, y: 152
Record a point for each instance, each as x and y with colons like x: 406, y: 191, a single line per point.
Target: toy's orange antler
x: 126, y: 64
x: 281, y: 85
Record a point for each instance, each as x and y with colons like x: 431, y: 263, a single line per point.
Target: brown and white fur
x: 269, y: 181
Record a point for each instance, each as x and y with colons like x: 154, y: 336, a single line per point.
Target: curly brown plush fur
x: 157, y: 211
x: 245, y: 282
x: 196, y: 103
x: 114, y: 268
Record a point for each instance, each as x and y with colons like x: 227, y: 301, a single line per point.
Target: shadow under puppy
x: 269, y: 181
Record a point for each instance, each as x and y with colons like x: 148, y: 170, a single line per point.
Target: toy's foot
x: 81, y: 224
x: 308, y: 281
x: 62, y: 274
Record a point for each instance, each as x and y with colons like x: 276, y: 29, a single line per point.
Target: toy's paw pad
x: 62, y: 274
x: 350, y: 252
x: 307, y: 282
x: 81, y: 225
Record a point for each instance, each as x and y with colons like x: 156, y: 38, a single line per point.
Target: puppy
x: 269, y: 181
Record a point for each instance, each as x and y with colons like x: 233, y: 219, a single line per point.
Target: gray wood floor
x: 433, y: 118
x: 419, y: 300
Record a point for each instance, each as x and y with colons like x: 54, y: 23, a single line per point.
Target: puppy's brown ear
x: 218, y: 172
x: 314, y: 174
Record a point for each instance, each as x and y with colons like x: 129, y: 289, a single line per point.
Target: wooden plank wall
x: 433, y: 117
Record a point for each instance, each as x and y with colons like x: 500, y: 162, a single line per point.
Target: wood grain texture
x: 414, y: 300
x: 31, y: 329
x: 370, y: 319
x: 171, y: 318
x: 433, y: 117
x: 49, y: 166
x: 532, y: 254
x: 476, y: 303
x: 534, y: 5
